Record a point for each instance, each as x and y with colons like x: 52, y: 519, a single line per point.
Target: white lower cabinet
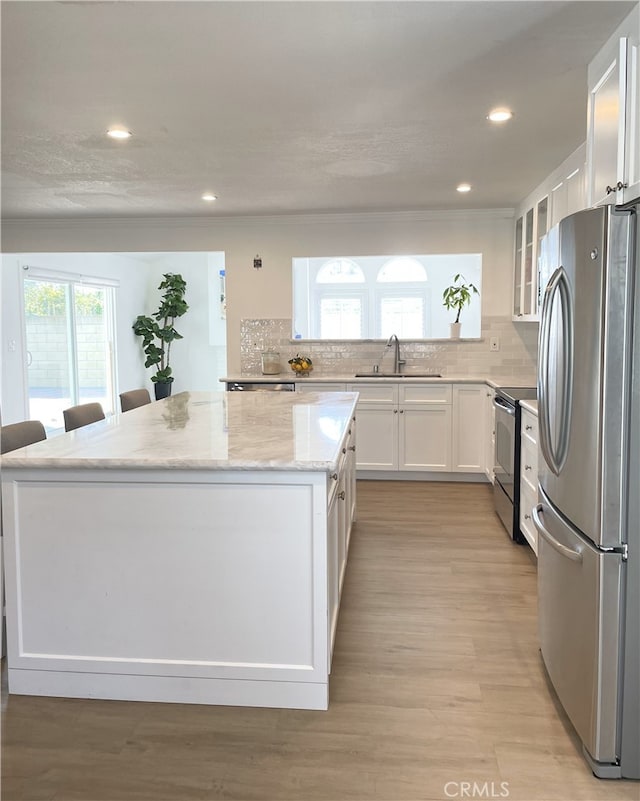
x: 468, y: 431
x: 424, y: 426
x: 489, y: 426
x: 424, y: 438
x: 528, y: 476
x: 377, y: 415
x: 429, y: 428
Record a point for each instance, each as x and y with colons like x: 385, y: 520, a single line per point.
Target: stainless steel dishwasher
x: 260, y: 386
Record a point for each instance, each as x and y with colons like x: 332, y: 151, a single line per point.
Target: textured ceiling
x: 288, y: 107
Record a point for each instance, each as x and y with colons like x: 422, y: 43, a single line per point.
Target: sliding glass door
x: 69, y: 338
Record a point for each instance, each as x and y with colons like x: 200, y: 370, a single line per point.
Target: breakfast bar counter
x: 192, y: 550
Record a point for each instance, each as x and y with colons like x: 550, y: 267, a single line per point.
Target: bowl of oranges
x: 301, y: 365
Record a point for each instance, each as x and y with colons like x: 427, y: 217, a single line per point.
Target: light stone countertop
x: 530, y: 406
x: 206, y: 430
x: 290, y: 377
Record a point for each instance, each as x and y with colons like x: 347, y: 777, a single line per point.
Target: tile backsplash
x: 516, y: 358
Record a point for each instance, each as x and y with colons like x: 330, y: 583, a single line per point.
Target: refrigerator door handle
x: 567, y: 369
x: 575, y: 556
x: 556, y: 457
x: 543, y: 375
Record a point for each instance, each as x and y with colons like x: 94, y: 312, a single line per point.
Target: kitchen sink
x: 398, y: 375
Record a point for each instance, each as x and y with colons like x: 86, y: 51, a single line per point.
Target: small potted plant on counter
x: 455, y: 297
x: 158, y: 331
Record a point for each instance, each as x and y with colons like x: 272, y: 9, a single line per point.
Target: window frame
x: 70, y: 281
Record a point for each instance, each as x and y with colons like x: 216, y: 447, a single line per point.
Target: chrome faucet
x: 397, y: 361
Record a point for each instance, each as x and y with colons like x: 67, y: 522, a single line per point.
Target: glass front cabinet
x: 530, y: 228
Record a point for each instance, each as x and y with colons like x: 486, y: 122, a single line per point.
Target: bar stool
x: 134, y: 398
x: 17, y: 435
x: 82, y: 415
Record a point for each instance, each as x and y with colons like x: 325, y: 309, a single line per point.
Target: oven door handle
x: 504, y: 407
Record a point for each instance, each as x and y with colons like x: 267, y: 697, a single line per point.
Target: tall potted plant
x: 158, y: 331
x: 455, y: 297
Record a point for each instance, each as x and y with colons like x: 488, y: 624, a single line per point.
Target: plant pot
x: 455, y: 330
x: 162, y: 389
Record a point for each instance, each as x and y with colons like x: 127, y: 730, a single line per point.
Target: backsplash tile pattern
x: 516, y: 358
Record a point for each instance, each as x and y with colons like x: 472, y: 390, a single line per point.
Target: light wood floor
x: 437, y: 680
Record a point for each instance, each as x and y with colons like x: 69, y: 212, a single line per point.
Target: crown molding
x: 349, y: 218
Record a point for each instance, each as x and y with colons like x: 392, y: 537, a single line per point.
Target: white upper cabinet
x: 560, y: 194
x: 530, y: 229
x: 613, y: 140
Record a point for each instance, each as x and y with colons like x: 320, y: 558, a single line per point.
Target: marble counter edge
x: 34, y: 457
x: 530, y: 406
x: 135, y: 463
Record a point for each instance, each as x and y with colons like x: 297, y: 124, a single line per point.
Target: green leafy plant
x: 458, y: 295
x: 158, y: 331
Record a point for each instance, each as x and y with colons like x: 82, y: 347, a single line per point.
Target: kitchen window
x: 372, y: 297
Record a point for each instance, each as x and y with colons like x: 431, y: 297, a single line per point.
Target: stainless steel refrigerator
x: 588, y: 515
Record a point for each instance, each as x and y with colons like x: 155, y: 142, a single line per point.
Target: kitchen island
x: 192, y: 550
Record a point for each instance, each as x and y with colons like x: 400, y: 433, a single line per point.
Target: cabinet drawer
x: 528, y: 499
x: 317, y: 387
x: 529, y: 425
x: 380, y: 392
x: 529, y: 463
x: 425, y: 393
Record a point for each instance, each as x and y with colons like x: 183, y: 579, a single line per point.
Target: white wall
x: 266, y: 293
x: 198, y: 360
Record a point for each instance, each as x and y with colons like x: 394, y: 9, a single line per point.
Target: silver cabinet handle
x: 351, y: 448
x: 527, y: 467
x: 334, y: 476
x: 342, y: 495
x: 575, y: 556
x: 528, y: 428
x: 610, y: 189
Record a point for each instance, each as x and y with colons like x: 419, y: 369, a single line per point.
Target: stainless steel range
x: 506, y: 489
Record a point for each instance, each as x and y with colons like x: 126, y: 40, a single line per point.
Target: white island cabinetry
x: 191, y: 550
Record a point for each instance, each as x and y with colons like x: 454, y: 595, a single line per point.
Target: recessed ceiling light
x: 463, y: 188
x: 209, y: 197
x: 500, y: 115
x: 118, y: 132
